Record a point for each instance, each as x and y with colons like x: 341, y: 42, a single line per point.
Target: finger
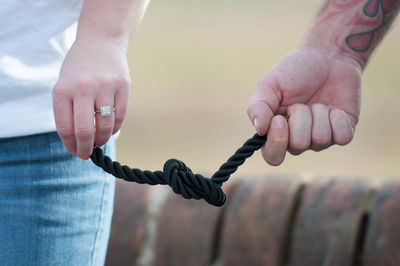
x: 263, y: 105
x: 104, y: 124
x: 84, y: 126
x: 342, y: 130
x: 64, y: 118
x: 275, y: 148
x: 121, y: 105
x: 321, y: 136
x: 300, y: 123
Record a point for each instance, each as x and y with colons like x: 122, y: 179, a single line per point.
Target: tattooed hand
x: 319, y: 95
x: 311, y: 98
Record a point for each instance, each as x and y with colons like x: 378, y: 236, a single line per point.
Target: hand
x: 94, y: 73
x: 318, y: 94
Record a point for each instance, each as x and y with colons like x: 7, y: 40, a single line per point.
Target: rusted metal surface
x: 186, y: 232
x: 256, y: 221
x: 327, y: 225
x: 128, y: 225
x: 383, y: 238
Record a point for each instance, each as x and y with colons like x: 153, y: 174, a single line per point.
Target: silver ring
x: 105, y: 110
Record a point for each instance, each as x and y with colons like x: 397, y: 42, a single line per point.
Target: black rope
x: 179, y: 177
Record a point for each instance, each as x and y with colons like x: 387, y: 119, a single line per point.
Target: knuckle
x: 299, y: 144
x: 84, y: 133
x: 279, y: 139
x: 262, y: 79
x: 119, y: 119
x: 105, y: 130
x: 318, y: 106
x: 120, y: 116
x: 83, y: 84
x: 82, y: 87
x: 124, y: 82
x: 106, y: 83
x: 344, y: 140
x: 321, y: 139
x: 65, y: 132
x: 60, y: 91
x: 298, y: 107
x: 250, y: 110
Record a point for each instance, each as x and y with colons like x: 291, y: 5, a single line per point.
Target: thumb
x: 263, y: 105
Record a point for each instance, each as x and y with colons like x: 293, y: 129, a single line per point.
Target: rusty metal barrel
x: 267, y: 220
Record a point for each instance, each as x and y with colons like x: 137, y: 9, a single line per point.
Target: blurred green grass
x: 195, y: 65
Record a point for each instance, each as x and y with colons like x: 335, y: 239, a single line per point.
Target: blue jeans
x: 55, y: 209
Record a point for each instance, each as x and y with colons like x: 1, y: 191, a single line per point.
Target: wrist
x: 351, y: 30
x: 87, y: 39
x: 336, y: 52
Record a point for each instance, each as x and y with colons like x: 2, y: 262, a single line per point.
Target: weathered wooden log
x: 257, y: 221
x: 278, y: 220
x: 191, y: 225
x: 129, y: 224
x: 382, y: 245
x: 326, y: 228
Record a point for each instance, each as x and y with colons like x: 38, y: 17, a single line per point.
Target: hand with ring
x: 90, y: 98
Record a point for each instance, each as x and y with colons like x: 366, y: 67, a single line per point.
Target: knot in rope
x: 182, y: 181
x: 179, y: 177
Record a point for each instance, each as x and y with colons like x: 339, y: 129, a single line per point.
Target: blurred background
x: 195, y: 65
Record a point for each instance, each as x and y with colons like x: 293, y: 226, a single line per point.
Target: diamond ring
x: 105, y: 110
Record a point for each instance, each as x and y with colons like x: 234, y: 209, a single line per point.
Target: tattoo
x: 324, y: 7
x: 355, y: 26
x: 361, y: 42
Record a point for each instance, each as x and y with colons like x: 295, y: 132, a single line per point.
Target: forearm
x: 114, y: 20
x: 351, y: 29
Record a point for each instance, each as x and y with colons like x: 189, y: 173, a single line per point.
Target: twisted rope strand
x: 179, y: 177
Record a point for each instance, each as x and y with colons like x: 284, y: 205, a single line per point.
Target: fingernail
x: 256, y: 124
x: 84, y: 157
x: 277, y: 122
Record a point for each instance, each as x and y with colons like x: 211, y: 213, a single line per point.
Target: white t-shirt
x: 35, y: 36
